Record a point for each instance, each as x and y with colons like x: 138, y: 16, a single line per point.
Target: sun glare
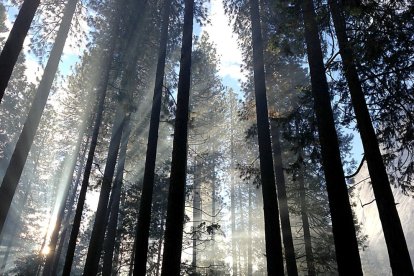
x: 46, y: 250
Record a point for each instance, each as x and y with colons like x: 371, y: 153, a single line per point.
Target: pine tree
x: 143, y: 223
x: 18, y: 159
x: 175, y: 210
x: 394, y: 236
x: 272, y: 231
x: 343, y: 228
x: 14, y: 43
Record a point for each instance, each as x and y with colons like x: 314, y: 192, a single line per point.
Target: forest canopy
x: 220, y: 137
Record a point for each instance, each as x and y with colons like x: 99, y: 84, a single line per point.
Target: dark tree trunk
x: 99, y: 226
x: 274, y: 253
x: 66, y: 178
x: 102, y: 88
x: 116, y: 194
x: 343, y: 228
x: 176, y: 196
x: 394, y: 236
x: 14, y: 42
x: 144, y: 217
x: 25, y: 141
x: 119, y: 237
x: 310, y: 261
x: 283, y: 204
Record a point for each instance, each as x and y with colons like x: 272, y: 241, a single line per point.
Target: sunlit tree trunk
x: 14, y: 42
x: 343, y: 228
x: 283, y: 204
x: 68, y: 215
x: 119, y: 238
x: 99, y: 226
x: 250, y: 238
x: 274, y: 253
x: 25, y: 141
x: 101, y: 90
x: 144, y: 216
x: 394, y: 236
x: 66, y: 179
x: 176, y: 197
x: 197, y: 217
x: 213, y: 209
x: 310, y: 261
x: 116, y: 193
x: 160, y: 242
x: 232, y: 192
x: 17, y: 214
x: 242, y: 236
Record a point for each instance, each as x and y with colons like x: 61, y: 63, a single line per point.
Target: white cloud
x: 222, y: 35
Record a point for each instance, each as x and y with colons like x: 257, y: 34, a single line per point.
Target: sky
x: 221, y: 34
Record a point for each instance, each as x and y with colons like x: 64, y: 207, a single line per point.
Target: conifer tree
x: 14, y: 43
x: 343, y: 227
x: 176, y: 197
x: 24, y: 143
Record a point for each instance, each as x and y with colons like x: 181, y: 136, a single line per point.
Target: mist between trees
x: 125, y: 150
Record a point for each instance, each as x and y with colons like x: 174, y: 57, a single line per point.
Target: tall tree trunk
x: 310, y: 261
x: 144, y: 217
x: 160, y: 241
x: 241, y: 239
x: 14, y: 42
x: 116, y: 192
x: 283, y: 204
x: 69, y: 208
x: 343, y: 228
x: 99, y: 226
x: 394, y: 236
x: 213, y: 210
x: 197, y: 216
x: 131, y: 261
x: 232, y: 193
x: 249, y: 242
x: 274, y: 253
x: 17, y: 215
x: 119, y: 237
x: 25, y: 141
x: 176, y: 197
x: 102, y: 89
x: 66, y: 180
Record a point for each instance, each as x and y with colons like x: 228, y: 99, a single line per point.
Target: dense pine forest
x: 206, y: 137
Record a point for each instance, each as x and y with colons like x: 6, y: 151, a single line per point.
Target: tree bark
x: 310, y: 261
x: 274, y: 254
x: 394, y: 236
x: 102, y: 89
x: 232, y: 192
x: 14, y: 42
x: 144, y: 217
x: 343, y: 228
x: 116, y: 192
x: 99, y: 226
x: 291, y: 267
x: 25, y: 141
x: 176, y: 196
x: 66, y: 179
x: 249, y: 244
x: 68, y: 215
x: 197, y: 216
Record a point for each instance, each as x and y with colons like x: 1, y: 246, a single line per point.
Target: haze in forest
x: 190, y: 137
